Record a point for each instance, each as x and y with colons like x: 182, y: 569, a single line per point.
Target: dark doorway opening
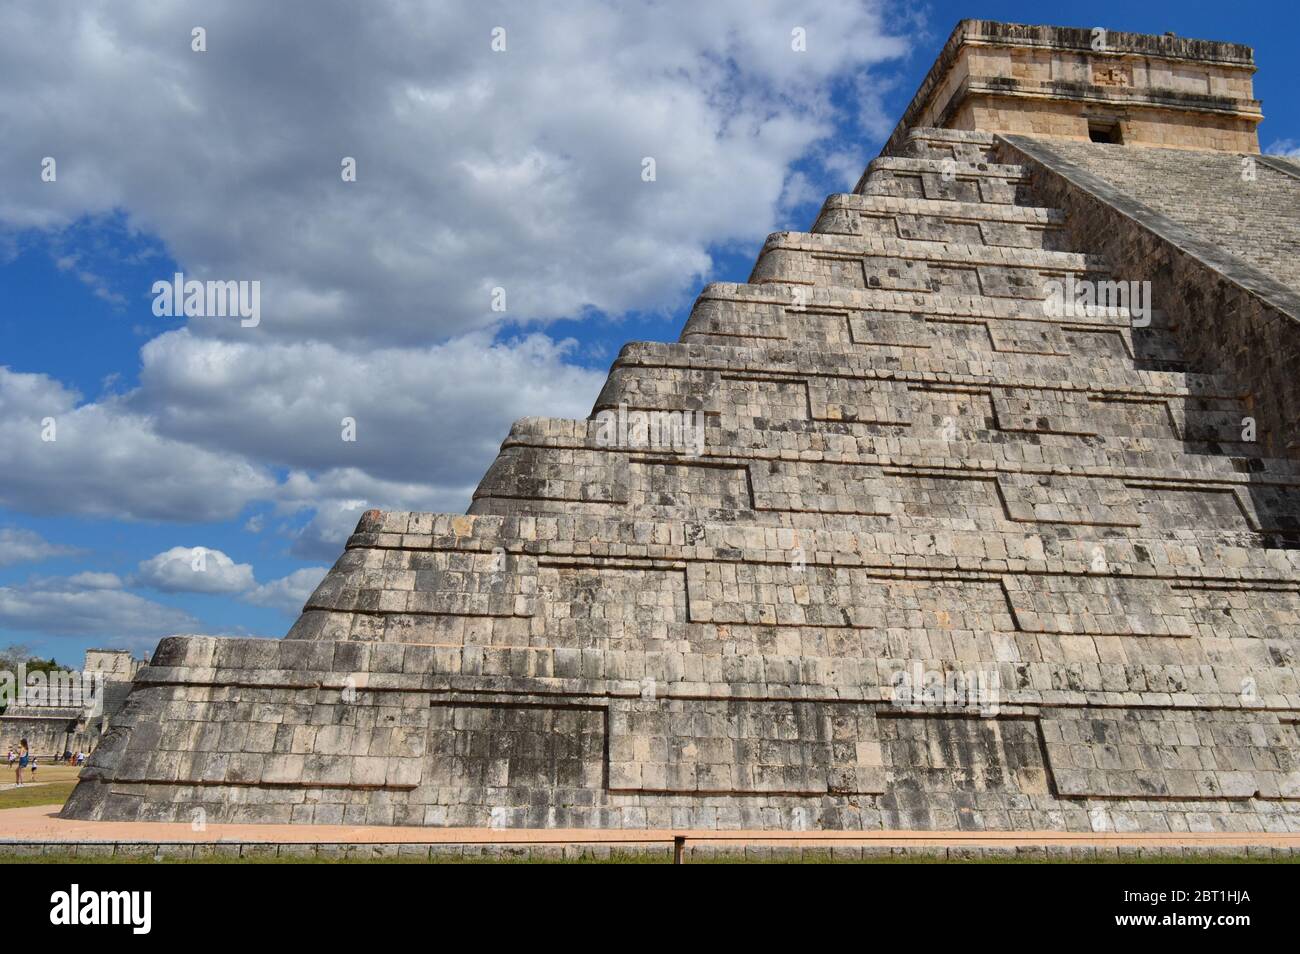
x: 1105, y: 132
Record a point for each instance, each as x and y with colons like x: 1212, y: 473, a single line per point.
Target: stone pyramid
x: 937, y: 557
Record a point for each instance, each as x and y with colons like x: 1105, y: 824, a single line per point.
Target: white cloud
x: 68, y: 607
x: 429, y: 417
x: 26, y: 546
x: 1284, y: 147
x: 97, y: 605
x: 195, y: 570
x: 198, y: 439
x: 204, y: 570
x: 91, y: 580
x: 107, y: 460
x: 289, y: 593
x: 475, y: 169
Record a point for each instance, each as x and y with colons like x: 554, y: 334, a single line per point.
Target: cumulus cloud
x: 289, y: 593
x: 212, y: 422
x: 195, y: 570
x: 91, y: 580
x: 26, y: 546
x: 204, y: 570
x: 1284, y: 147
x: 69, y: 606
x: 476, y: 169
x: 104, y: 459
x: 424, y: 417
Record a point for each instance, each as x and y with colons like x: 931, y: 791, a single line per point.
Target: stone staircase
x: 910, y: 475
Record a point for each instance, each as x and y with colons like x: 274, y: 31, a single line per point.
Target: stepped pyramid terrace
x: 976, y: 508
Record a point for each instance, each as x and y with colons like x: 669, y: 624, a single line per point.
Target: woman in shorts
x: 23, y: 757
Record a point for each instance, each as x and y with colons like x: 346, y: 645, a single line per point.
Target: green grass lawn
x: 55, y: 793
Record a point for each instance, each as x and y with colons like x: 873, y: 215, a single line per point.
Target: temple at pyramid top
x: 1089, y: 85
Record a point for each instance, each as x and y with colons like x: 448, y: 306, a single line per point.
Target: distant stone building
x: 995, y: 522
x: 52, y: 729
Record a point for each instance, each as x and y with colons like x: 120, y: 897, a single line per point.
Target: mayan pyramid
x: 946, y: 554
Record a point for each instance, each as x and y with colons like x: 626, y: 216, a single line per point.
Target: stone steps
x: 957, y: 144
x: 976, y: 449
x: 617, y: 536
x: 906, y: 494
x: 742, y: 299
x: 965, y: 223
x: 955, y: 338
x: 949, y: 181
x: 942, y: 268
x: 636, y: 376
x: 857, y: 320
x: 859, y: 442
x: 433, y: 591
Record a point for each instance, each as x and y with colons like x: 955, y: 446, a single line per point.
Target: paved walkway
x: 38, y: 824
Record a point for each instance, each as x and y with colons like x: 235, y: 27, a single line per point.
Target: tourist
x: 33, y: 768
x: 81, y: 758
x: 23, y: 756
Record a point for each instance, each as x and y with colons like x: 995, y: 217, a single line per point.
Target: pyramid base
x: 225, y: 731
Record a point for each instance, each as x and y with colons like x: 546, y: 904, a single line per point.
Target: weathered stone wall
x: 51, y: 730
x: 1222, y: 267
x: 1053, y: 81
x: 943, y: 559
x: 357, y: 733
x: 117, y: 665
x: 48, y: 734
x: 1242, y: 205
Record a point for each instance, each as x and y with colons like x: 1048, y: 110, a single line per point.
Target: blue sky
x: 520, y: 171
